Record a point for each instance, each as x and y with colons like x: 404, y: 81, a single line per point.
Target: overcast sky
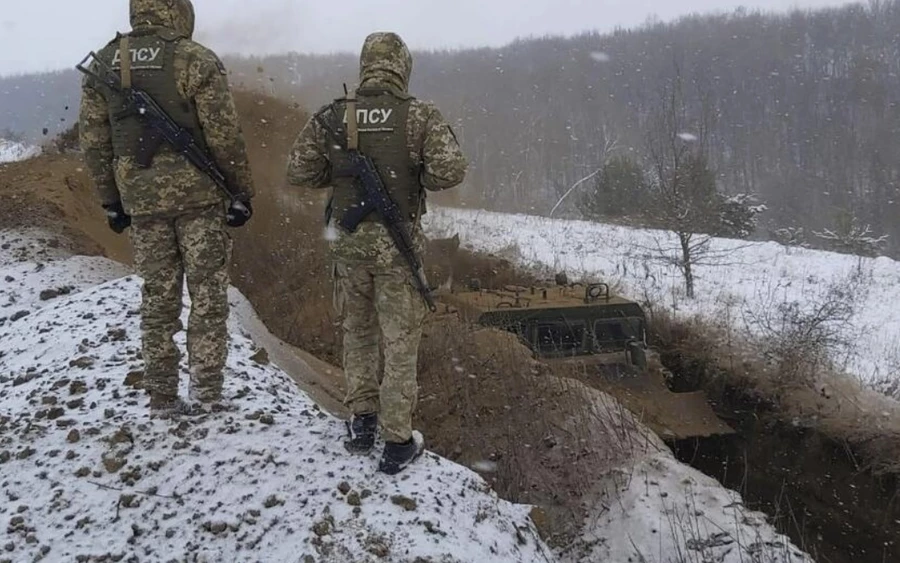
x: 50, y: 34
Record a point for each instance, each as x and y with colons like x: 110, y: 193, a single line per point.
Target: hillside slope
x: 89, y: 477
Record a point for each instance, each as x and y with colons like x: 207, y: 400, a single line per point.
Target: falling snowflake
x: 600, y: 56
x: 331, y: 233
x: 485, y: 466
x: 689, y: 137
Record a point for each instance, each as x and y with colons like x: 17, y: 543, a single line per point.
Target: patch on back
x: 375, y: 120
x: 143, y: 57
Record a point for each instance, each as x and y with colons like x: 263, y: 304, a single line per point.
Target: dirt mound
x: 54, y: 192
x: 537, y: 438
x: 88, y: 476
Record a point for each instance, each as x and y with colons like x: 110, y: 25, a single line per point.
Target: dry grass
x: 833, y: 404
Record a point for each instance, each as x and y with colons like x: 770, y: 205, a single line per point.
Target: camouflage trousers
x: 195, y: 245
x: 382, y: 312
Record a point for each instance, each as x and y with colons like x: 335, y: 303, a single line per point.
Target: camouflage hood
x: 177, y: 15
x: 385, y: 60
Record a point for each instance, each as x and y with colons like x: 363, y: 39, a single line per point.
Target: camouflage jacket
x: 385, y: 62
x: 171, y: 184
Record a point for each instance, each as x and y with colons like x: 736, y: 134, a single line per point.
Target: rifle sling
x: 125, y: 59
x: 352, y: 124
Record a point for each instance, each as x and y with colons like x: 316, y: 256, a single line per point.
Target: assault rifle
x: 376, y: 199
x: 160, y: 128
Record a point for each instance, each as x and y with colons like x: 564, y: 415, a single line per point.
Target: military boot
x: 205, y: 386
x: 204, y: 395
x: 398, y: 456
x: 165, y: 407
x: 361, y: 429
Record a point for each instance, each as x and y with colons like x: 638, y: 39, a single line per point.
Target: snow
x: 666, y: 512
x: 87, y: 473
x: 88, y: 476
x: 11, y: 151
x: 740, y: 281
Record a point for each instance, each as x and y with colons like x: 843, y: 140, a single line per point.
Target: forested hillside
x: 799, y: 109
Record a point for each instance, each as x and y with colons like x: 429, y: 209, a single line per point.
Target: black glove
x: 239, y: 212
x: 117, y: 218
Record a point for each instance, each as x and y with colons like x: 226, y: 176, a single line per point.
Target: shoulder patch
x: 221, y: 66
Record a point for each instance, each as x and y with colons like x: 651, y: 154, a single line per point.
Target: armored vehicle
x: 586, y: 332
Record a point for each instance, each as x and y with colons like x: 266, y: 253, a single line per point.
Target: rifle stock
x: 160, y: 127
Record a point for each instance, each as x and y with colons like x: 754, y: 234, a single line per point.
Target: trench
x: 812, y: 488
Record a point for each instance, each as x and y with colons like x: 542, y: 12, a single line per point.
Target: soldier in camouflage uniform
x: 176, y: 213
x: 414, y: 150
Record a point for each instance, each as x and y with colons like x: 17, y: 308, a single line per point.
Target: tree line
x: 798, y: 111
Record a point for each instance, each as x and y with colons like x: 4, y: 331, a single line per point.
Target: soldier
x: 414, y: 150
x: 176, y: 213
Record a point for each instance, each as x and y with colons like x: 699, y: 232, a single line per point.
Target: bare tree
x: 683, y: 186
x: 801, y: 339
x: 853, y: 237
x: 609, y: 145
x: 791, y: 237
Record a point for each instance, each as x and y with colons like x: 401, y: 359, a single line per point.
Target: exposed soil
x: 829, y: 498
x: 54, y: 192
x: 537, y: 438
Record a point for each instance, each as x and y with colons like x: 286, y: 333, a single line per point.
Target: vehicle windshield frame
x: 598, y: 346
x: 578, y: 327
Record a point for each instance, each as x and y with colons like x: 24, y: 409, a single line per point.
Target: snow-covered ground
x: 661, y: 511
x: 748, y: 281
x: 88, y: 476
x: 11, y: 151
